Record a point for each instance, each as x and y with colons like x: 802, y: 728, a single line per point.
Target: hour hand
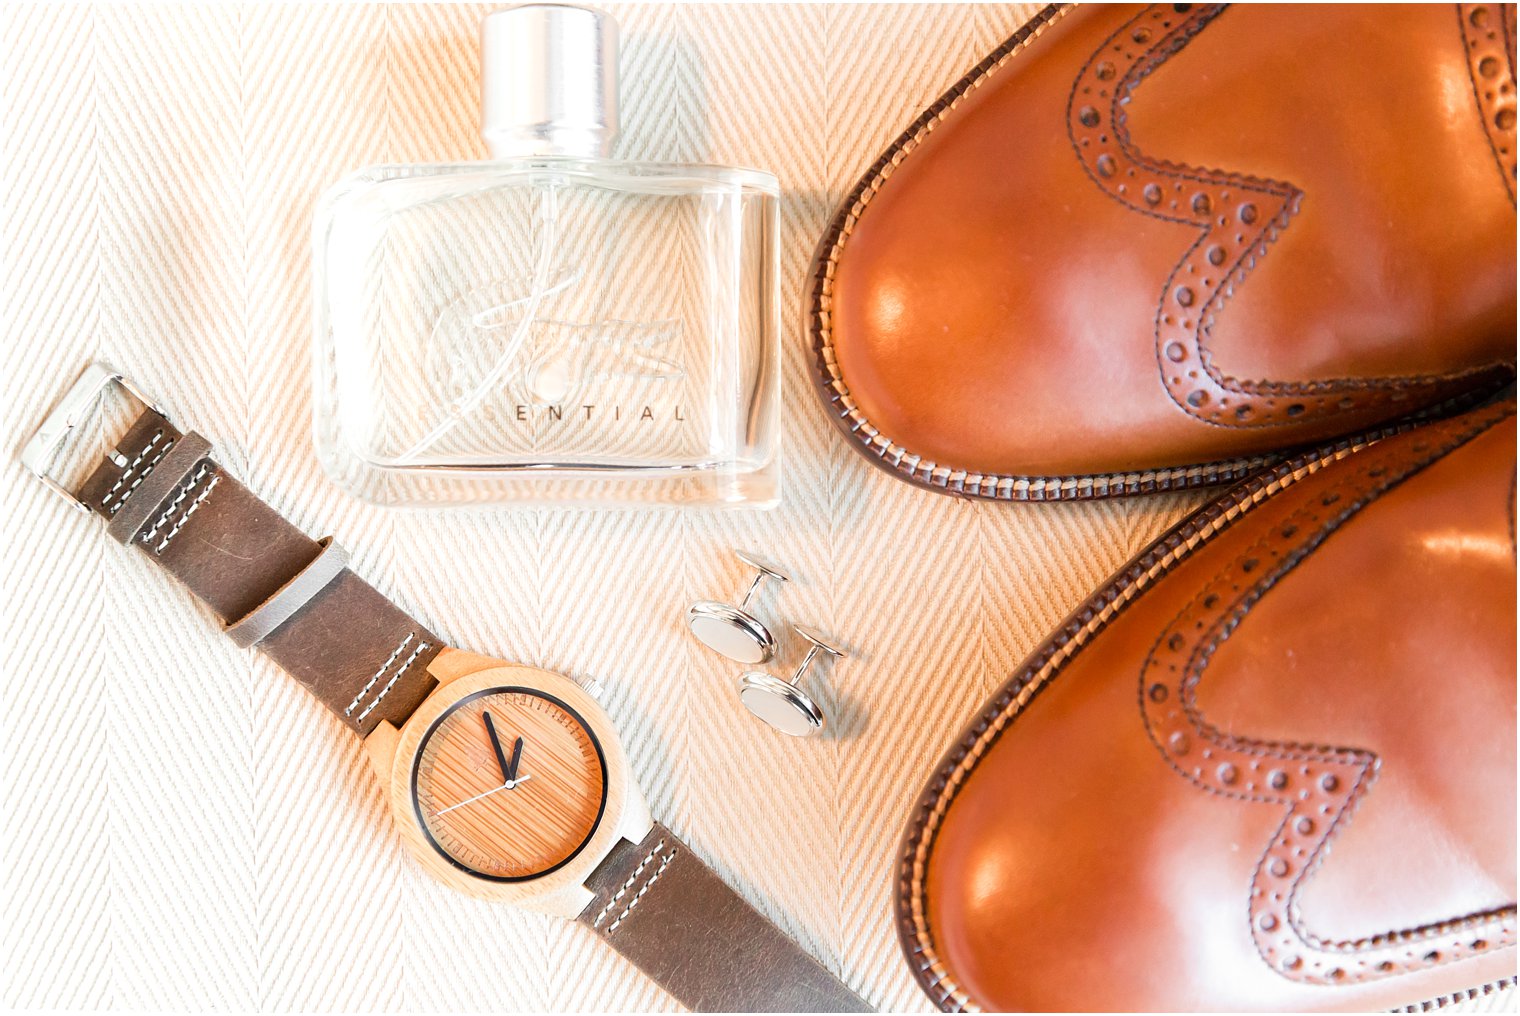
x: 511, y: 773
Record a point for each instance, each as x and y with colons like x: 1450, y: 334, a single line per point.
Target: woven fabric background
x: 184, y: 828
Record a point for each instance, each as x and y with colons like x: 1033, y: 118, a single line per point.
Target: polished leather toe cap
x: 1120, y: 245
x: 1270, y: 767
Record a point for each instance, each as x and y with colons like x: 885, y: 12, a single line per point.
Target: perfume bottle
x: 552, y: 326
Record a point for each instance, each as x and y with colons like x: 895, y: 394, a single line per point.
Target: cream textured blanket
x: 184, y: 828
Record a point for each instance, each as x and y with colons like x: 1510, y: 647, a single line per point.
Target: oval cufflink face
x: 726, y: 629
x: 779, y: 704
x: 761, y: 565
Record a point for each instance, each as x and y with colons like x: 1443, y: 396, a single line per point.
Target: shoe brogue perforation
x: 1387, y: 468
x: 1320, y: 785
x: 1240, y: 217
x: 1487, y: 29
x: 1294, y: 411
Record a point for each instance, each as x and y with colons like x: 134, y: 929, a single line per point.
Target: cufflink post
x: 731, y: 629
x: 783, y: 704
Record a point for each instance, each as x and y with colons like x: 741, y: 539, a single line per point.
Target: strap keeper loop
x: 155, y: 489
x: 265, y: 619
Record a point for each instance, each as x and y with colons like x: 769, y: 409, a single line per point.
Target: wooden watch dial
x: 509, y: 784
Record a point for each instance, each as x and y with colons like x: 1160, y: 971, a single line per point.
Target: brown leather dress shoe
x: 1270, y: 766
x: 1141, y: 248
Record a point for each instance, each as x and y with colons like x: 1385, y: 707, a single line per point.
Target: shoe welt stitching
x: 1049, y: 661
x: 895, y: 458
x: 1321, y: 786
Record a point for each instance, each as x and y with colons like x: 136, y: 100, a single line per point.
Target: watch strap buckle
x: 42, y: 448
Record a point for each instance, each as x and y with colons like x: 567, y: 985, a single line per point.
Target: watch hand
x: 494, y: 790
x: 501, y: 758
x: 477, y: 797
x: 511, y: 771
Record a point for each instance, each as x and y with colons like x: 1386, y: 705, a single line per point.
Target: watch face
x: 509, y: 784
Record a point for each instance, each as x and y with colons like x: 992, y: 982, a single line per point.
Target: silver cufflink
x: 733, y: 630
x: 783, y: 704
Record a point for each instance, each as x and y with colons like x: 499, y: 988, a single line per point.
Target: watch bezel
x: 562, y: 890
x: 416, y: 769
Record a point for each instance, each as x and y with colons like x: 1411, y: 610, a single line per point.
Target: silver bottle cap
x: 549, y: 81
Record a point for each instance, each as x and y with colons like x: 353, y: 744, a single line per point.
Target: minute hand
x: 501, y: 759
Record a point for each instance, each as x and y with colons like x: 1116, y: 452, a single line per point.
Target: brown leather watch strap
x: 661, y: 907
x: 271, y: 585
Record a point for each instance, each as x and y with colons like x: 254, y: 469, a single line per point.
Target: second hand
x: 471, y: 800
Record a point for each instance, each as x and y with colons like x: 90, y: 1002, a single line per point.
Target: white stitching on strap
x: 180, y: 524
x: 173, y: 505
x: 146, y: 470
x: 421, y: 648
x: 642, y: 890
x: 131, y: 466
x: 378, y: 674
x: 626, y: 885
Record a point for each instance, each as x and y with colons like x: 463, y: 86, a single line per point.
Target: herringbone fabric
x: 185, y: 829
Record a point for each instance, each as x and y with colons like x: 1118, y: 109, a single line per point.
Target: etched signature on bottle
x: 499, y: 342
x: 555, y: 360
x: 575, y: 355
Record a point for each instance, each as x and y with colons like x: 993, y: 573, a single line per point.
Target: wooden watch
x: 508, y: 783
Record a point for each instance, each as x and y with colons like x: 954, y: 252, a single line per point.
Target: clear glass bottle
x: 550, y: 327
